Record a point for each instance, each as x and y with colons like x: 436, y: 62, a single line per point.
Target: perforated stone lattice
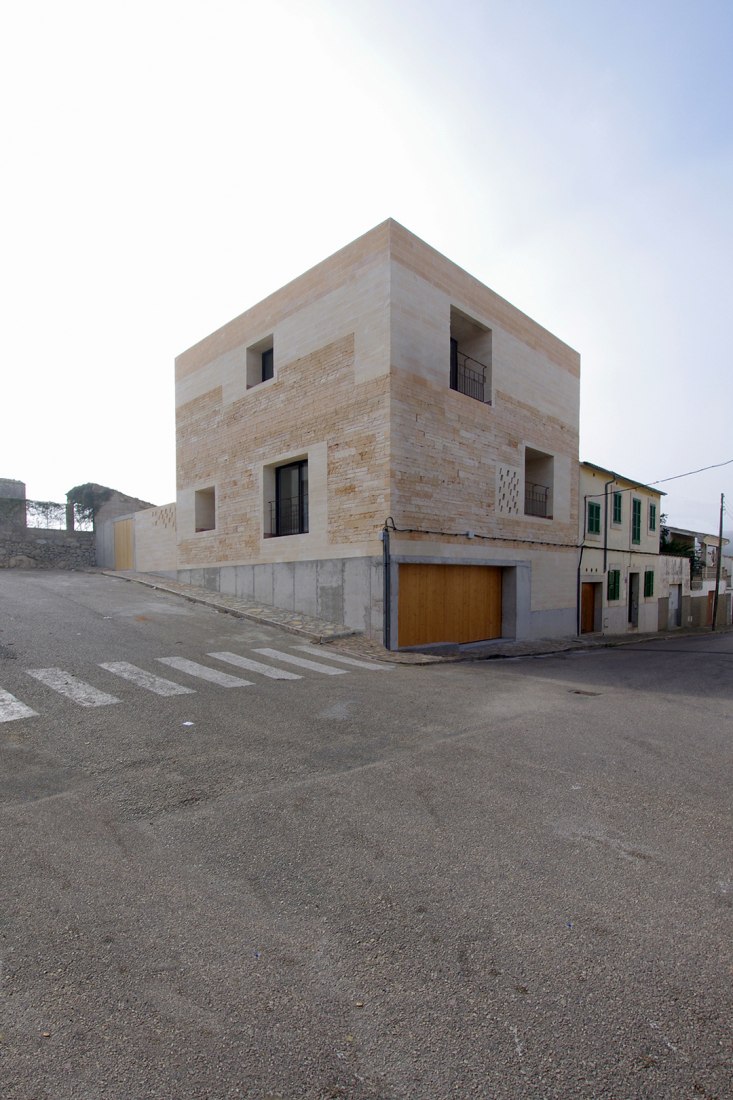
x: 507, y: 490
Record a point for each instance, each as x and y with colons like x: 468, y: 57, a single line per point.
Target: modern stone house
x: 622, y: 583
x: 387, y: 443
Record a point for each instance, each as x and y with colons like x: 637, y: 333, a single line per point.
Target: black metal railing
x: 536, y: 500
x: 288, y: 516
x: 468, y: 376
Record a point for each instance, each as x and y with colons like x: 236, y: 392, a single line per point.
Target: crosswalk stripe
x: 65, y: 684
x: 255, y: 666
x: 223, y: 679
x: 371, y: 665
x: 314, y: 666
x: 12, y: 708
x: 147, y: 680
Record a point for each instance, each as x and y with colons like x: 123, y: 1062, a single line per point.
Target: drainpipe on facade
x: 605, y: 524
x: 386, y: 563
x: 580, y: 562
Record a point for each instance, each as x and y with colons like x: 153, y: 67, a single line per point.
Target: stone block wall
x: 36, y: 548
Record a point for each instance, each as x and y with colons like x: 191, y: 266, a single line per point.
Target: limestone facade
x: 410, y: 396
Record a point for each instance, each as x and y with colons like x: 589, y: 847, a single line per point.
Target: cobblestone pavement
x: 355, y: 643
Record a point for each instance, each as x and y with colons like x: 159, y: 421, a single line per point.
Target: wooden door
x: 448, y: 603
x: 124, y: 546
x: 587, y: 608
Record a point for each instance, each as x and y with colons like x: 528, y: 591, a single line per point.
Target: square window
x: 204, y: 508
x: 617, y: 507
x: 636, y: 520
x: 594, y: 518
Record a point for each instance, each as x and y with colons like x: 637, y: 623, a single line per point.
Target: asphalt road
x: 479, y: 880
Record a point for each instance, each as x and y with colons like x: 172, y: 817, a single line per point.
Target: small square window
x: 617, y: 507
x: 204, y: 506
x: 594, y: 518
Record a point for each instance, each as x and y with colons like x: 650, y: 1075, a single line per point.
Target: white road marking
x: 223, y: 679
x: 147, y: 680
x: 83, y: 694
x: 371, y: 665
x: 278, y: 655
x: 12, y: 708
x: 255, y: 666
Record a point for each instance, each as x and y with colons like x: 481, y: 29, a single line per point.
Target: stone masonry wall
x: 37, y: 548
x: 315, y: 408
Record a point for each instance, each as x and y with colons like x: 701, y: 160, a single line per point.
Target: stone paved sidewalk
x: 356, y: 644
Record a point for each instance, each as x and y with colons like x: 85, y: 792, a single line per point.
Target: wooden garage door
x: 448, y: 603
x: 124, y: 556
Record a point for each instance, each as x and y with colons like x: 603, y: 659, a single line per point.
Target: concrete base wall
x: 341, y: 590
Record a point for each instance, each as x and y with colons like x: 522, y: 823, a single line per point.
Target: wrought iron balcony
x: 468, y: 376
x: 288, y: 516
x: 536, y: 500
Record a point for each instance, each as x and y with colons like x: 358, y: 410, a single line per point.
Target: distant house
x: 620, y: 581
x: 700, y: 551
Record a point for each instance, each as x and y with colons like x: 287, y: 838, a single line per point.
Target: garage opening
x: 448, y: 603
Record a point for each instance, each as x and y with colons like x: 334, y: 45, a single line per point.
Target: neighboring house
x: 701, y: 559
x: 621, y: 586
x: 385, y: 409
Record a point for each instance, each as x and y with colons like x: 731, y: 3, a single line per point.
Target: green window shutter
x: 594, y: 518
x: 649, y: 582
x: 617, y: 506
x: 652, y: 517
x: 636, y: 521
x: 613, y: 589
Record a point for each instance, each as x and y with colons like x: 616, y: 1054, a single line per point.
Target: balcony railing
x: 536, y: 500
x: 468, y: 376
x: 287, y: 516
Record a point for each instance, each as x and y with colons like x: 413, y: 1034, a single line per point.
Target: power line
x: 715, y: 466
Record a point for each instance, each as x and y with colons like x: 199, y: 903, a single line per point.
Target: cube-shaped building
x: 388, y: 444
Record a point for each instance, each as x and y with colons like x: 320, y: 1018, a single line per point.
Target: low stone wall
x: 38, y: 548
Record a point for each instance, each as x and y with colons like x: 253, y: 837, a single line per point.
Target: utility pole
x: 720, y: 560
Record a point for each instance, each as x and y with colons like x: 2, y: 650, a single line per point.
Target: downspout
x: 387, y: 596
x: 605, y: 524
x: 580, y: 562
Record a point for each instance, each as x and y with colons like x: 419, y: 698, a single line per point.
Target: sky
x: 167, y: 165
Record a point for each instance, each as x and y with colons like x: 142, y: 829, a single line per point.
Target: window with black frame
x: 291, y: 499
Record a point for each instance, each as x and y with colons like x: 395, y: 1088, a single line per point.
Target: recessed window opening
x: 539, y: 472
x: 288, y: 512
x: 204, y: 504
x: 470, y: 357
x: 260, y: 362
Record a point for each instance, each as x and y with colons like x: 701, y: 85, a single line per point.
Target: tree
x: 86, y: 500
